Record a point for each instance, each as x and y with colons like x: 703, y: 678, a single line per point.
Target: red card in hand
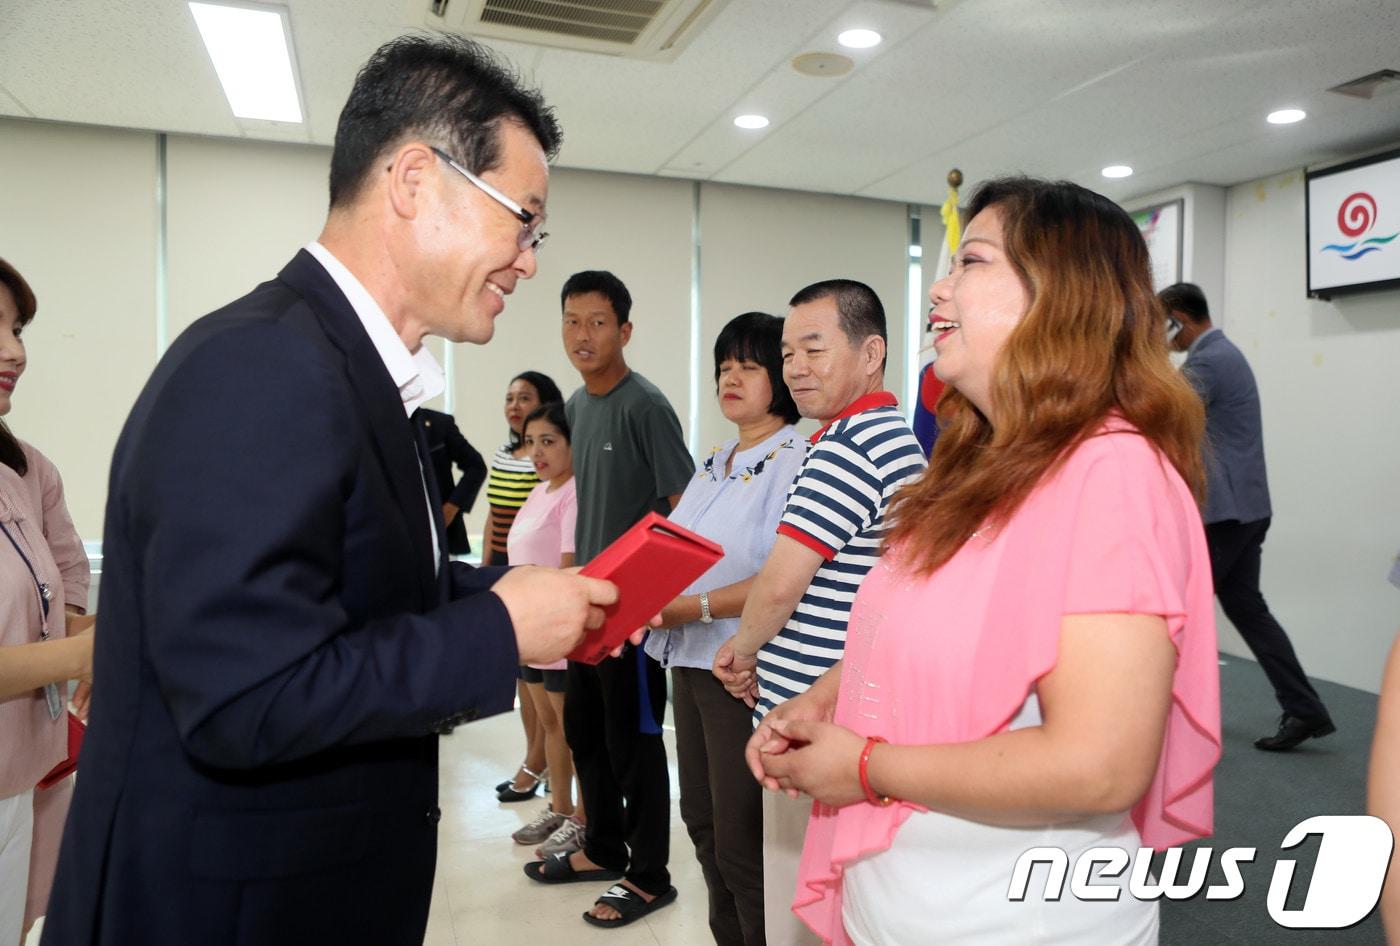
x: 650, y: 563
x: 76, y: 730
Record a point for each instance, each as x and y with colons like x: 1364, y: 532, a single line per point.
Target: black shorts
x: 553, y: 680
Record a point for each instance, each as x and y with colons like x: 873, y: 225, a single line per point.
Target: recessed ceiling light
x: 252, y: 57
x: 1286, y: 116
x: 1117, y: 170
x: 751, y: 122
x: 859, y: 39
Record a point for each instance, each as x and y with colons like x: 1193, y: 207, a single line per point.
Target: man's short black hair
x: 599, y: 280
x: 860, y: 310
x: 758, y: 337
x: 449, y: 91
x: 1186, y: 298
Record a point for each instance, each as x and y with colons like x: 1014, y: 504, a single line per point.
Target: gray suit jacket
x: 1238, y: 487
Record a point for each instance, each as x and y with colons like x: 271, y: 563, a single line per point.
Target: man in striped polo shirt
x: 794, y: 623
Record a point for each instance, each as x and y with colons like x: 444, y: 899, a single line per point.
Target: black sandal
x: 629, y: 904
x: 507, y: 792
x: 511, y: 781
x: 556, y: 869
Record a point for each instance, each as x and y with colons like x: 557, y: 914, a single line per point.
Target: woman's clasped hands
x: 798, y: 750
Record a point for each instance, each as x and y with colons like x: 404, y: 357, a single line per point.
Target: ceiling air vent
x: 636, y: 29
x: 1368, y: 87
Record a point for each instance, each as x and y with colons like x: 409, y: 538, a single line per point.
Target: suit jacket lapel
x: 425, y: 451
x: 379, y: 401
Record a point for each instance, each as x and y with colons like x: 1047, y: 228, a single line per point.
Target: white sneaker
x: 568, y: 837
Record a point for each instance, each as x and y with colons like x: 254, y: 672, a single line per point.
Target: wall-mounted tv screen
x: 1353, y: 213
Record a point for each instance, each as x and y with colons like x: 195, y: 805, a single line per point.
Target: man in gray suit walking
x: 1237, y: 512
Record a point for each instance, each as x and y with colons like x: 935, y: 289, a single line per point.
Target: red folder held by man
x: 650, y: 563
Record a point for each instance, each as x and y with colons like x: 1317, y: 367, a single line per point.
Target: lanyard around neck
x: 45, y: 592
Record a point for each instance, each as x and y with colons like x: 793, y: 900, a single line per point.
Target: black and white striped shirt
x: 836, y: 507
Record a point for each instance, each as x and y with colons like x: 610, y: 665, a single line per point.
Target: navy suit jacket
x: 446, y: 447
x: 276, y: 651
x: 1237, y: 486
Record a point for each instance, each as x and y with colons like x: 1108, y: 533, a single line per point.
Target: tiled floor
x: 481, y: 894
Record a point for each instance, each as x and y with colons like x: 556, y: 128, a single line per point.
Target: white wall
x: 81, y: 216
x: 639, y: 228
x: 1330, y: 390
x: 78, y: 217
x: 236, y: 213
x: 758, y: 247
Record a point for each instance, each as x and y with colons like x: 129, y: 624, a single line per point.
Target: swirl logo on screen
x: 1356, y: 216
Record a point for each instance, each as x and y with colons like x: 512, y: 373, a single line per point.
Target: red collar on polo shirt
x: 859, y: 405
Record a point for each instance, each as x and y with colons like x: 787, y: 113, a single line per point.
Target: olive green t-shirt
x: 629, y: 455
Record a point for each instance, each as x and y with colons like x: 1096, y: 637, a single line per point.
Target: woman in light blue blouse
x: 736, y: 499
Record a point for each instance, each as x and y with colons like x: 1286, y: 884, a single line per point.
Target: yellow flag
x: 952, y: 226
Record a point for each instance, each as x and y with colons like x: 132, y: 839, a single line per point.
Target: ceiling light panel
x: 250, y: 47
x: 859, y: 39
x: 1117, y: 170
x: 1286, y: 116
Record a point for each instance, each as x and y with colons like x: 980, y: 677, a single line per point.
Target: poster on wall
x: 1161, y: 228
x: 1353, y: 213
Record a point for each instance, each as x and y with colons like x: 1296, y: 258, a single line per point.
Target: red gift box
x: 650, y: 563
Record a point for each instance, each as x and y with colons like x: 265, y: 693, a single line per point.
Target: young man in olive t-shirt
x: 629, y: 459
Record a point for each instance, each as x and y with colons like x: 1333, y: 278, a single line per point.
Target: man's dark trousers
x: 1235, y: 550
x: 621, y: 765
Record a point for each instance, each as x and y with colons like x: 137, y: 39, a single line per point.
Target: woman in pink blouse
x: 1033, y: 662
x: 43, y: 592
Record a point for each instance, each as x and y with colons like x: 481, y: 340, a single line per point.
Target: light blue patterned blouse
x: 740, y: 512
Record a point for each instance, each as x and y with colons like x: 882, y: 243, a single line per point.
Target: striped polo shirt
x: 836, y: 507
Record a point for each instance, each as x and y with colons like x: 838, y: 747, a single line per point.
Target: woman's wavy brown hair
x: 1092, y: 342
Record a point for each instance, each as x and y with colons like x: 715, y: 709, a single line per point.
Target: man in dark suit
x: 446, y: 447
x: 1237, y: 513
x: 281, y: 633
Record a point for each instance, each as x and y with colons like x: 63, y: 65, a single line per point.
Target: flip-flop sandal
x: 556, y: 869
x: 629, y: 904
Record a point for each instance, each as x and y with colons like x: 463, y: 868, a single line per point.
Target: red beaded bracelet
x: 870, y: 795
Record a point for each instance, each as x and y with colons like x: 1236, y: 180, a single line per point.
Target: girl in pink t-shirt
x: 543, y: 534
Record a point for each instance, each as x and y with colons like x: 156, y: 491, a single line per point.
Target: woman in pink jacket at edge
x: 35, y: 650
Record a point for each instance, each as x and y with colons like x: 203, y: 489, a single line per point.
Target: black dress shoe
x: 1292, y: 731
x: 508, y: 792
x: 511, y: 794
x: 544, y: 774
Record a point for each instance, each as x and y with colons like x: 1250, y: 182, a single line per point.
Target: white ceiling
x: 1176, y: 88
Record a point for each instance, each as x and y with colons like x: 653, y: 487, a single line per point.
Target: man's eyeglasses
x: 530, y: 235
